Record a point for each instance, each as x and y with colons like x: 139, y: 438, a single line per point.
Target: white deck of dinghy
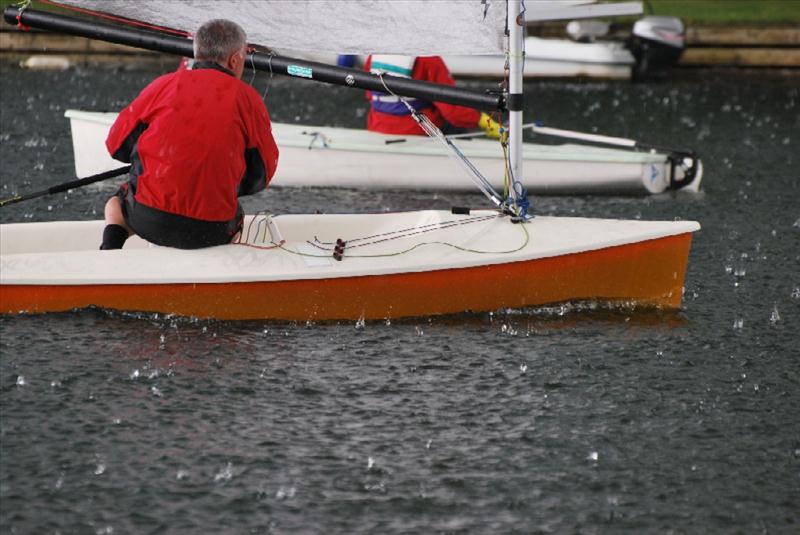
x: 66, y: 252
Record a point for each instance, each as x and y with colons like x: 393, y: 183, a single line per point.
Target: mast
x: 516, y: 49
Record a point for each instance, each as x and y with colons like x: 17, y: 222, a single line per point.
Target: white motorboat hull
x: 553, y: 58
x: 544, y: 58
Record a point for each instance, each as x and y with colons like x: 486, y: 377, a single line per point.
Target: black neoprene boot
x: 114, y: 237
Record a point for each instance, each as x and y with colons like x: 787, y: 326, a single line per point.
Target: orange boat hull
x: 649, y: 273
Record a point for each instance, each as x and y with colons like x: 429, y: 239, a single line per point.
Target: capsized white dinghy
x: 349, y: 158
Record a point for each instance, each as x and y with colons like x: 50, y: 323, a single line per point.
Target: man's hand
x: 492, y: 128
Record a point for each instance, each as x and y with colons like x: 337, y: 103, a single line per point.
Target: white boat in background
x: 544, y: 58
x: 654, y: 45
x: 351, y: 158
x: 553, y: 58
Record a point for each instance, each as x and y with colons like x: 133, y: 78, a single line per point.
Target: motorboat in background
x: 593, y: 50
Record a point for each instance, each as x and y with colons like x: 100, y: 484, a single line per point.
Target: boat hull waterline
x: 317, y: 156
x: 641, y: 265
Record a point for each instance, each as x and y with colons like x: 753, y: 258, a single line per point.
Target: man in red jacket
x: 389, y: 115
x: 197, y: 139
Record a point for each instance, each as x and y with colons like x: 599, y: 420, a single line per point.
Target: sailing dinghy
x: 323, y: 156
x: 353, y: 266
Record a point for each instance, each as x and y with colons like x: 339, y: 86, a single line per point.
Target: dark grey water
x: 561, y: 419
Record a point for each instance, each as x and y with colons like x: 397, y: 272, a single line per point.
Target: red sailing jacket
x: 429, y: 69
x: 197, y: 139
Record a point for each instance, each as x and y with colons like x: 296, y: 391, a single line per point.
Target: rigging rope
x: 516, y: 204
x: 433, y: 131
x: 265, y: 226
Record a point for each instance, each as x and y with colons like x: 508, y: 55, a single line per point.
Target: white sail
x: 413, y: 27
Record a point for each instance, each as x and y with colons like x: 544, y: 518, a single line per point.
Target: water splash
x: 226, y: 474
x: 738, y: 323
x: 775, y: 317
x: 508, y: 329
x: 285, y: 493
x: 21, y: 380
x: 100, y: 465
x: 370, y: 463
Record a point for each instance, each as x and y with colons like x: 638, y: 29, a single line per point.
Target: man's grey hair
x: 217, y: 39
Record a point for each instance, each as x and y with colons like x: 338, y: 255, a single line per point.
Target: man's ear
x: 232, y: 61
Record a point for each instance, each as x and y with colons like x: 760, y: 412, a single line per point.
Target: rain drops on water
x: 100, y: 466
x: 285, y: 492
x: 775, y: 317
x: 225, y: 474
x: 508, y: 329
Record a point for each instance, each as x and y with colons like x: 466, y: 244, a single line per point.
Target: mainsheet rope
x: 280, y: 243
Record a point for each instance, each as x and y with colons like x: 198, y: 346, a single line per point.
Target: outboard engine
x: 656, y: 43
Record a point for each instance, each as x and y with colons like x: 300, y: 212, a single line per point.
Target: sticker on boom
x: 296, y: 70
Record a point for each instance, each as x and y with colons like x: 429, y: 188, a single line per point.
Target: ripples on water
x: 558, y: 419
